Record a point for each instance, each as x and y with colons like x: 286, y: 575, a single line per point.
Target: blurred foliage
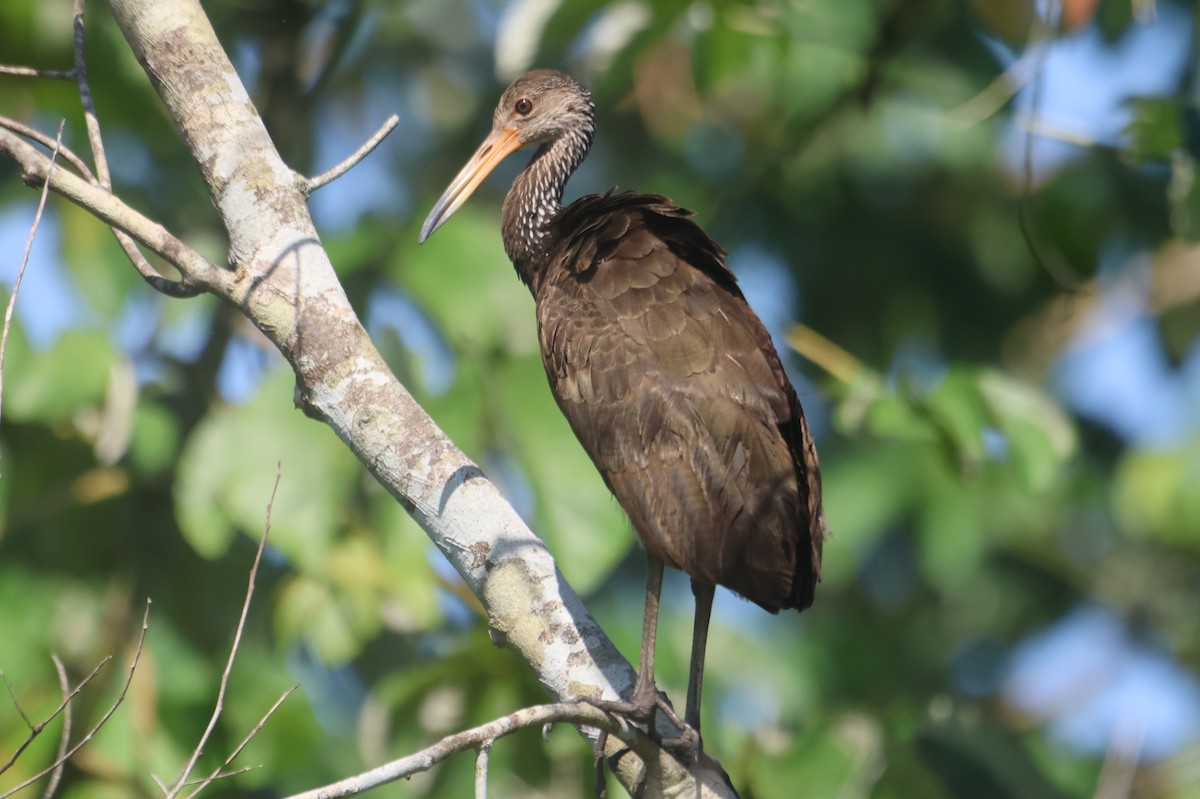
x: 974, y: 498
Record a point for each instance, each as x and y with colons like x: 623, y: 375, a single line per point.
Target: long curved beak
x: 496, y: 147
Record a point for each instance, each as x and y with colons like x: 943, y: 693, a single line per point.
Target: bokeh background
x: 970, y: 226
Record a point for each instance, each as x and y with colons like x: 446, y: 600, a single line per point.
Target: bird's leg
x: 644, y: 698
x: 704, y: 599
x: 688, y: 743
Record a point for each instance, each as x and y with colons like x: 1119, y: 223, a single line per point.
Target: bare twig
x: 309, y: 185
x: 88, y: 102
x: 36, y: 729
x: 578, y: 713
x: 12, y: 299
x: 1012, y: 80
x: 1046, y: 255
x: 91, y: 733
x: 233, y: 650
x: 64, y: 152
x: 817, y: 349
x: 20, y: 710
x: 200, y: 274
x: 171, y: 288
x: 64, y: 740
x: 33, y: 72
x: 228, y: 670
x: 220, y: 772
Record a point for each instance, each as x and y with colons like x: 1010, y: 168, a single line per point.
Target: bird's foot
x: 685, y: 747
x: 641, y: 708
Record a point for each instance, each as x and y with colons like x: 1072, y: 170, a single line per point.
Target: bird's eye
x: 523, y: 106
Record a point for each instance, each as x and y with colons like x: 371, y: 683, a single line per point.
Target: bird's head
x: 540, y: 107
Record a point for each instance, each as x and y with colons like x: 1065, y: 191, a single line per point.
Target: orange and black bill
x: 499, y: 144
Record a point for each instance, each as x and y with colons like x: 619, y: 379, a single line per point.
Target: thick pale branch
x: 286, y: 286
x: 284, y: 283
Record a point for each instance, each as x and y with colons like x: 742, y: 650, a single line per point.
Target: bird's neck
x: 535, y: 199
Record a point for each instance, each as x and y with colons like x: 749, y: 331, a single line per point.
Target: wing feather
x: 674, y: 389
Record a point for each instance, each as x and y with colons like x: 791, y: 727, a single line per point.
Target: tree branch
x: 309, y: 185
x: 284, y: 283
x: 12, y: 299
x: 198, y: 272
x: 481, y: 739
x: 64, y: 739
x: 219, y: 705
x: 36, y: 729
x: 91, y: 733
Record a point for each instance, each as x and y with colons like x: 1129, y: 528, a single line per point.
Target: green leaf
x: 311, y: 610
x: 228, y: 466
x: 53, y: 385
x: 464, y: 281
x: 823, y: 761
x: 1153, y: 132
x: 952, y: 545
x: 1041, y: 437
x: 1155, y: 494
x: 864, y: 493
x: 154, y: 441
x: 1183, y: 193
x: 893, y: 416
x: 957, y: 409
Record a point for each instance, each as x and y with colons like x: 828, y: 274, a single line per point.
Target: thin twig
x: 91, y: 733
x: 220, y: 772
x: 172, y: 288
x: 65, y: 739
x: 199, y: 273
x: 34, y: 72
x: 578, y: 713
x: 64, y: 152
x: 12, y: 299
x: 17, y: 704
x: 36, y: 729
x: 309, y: 185
x: 214, y: 777
x: 1008, y: 83
x: 815, y: 348
x: 233, y: 650
x: 88, y: 102
x: 1046, y: 255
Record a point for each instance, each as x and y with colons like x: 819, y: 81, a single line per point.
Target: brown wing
x: 672, y: 385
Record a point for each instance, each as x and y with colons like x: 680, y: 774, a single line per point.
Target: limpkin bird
x: 666, y: 375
